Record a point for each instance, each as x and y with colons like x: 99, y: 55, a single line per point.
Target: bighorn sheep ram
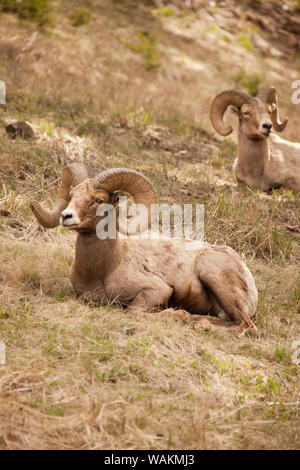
x: 145, y: 274
x: 264, y: 160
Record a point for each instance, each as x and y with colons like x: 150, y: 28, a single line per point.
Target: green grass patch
x: 246, y: 41
x: 92, y: 127
x: 39, y: 11
x: 164, y: 11
x: 250, y: 82
x: 147, y: 47
x: 81, y: 16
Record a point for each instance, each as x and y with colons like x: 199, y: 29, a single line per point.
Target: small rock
x: 19, y: 129
x: 152, y: 134
x: 4, y: 213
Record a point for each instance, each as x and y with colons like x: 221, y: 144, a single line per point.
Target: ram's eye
x: 98, y: 200
x: 246, y: 113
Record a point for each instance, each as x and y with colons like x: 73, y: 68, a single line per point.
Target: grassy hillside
x: 129, y: 83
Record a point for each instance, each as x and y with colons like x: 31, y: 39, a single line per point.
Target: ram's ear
x: 235, y: 110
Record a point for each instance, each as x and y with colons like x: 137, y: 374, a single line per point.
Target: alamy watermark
x: 296, y: 352
x: 296, y: 94
x: 163, y: 221
x: 2, y: 353
x: 2, y: 92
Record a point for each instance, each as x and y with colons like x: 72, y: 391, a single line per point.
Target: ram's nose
x: 64, y: 217
x: 69, y: 217
x: 266, y: 128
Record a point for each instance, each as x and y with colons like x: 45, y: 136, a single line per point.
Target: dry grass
x: 86, y: 376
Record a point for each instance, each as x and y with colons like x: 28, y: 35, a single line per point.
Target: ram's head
x: 79, y: 197
x: 257, y: 115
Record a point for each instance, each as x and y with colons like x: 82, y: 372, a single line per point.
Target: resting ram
x: 264, y: 160
x: 144, y: 274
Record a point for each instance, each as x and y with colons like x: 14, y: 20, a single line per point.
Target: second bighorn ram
x: 145, y: 274
x: 264, y: 160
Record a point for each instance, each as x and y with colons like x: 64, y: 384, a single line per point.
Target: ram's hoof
x: 252, y: 331
x: 203, y: 324
x: 177, y: 315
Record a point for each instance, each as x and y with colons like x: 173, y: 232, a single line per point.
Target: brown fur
x: 264, y: 160
x: 145, y: 274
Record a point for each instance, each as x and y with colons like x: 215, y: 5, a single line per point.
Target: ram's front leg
x: 231, y: 284
x: 151, y: 297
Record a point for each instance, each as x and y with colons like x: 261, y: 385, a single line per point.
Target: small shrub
x: 282, y: 354
x: 81, y: 16
x: 246, y: 41
x: 56, y: 410
x: 141, y: 422
x: 164, y: 11
x: 281, y: 245
x: 251, y: 82
x: 61, y: 296
x: 47, y: 127
x: 38, y: 11
x: 32, y: 279
x: 147, y: 47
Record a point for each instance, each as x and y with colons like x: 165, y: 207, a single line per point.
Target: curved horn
x: 268, y: 95
x: 72, y: 174
x: 221, y: 103
x: 79, y: 173
x: 131, y: 181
